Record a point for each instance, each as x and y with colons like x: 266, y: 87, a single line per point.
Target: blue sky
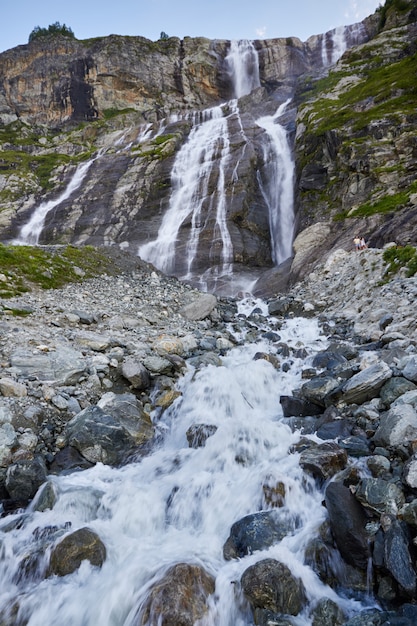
x: 215, y: 19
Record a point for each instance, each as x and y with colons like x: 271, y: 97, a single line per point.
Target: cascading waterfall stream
x: 31, y: 231
x: 243, y: 66
x: 178, y: 503
x: 277, y: 185
x: 192, y: 198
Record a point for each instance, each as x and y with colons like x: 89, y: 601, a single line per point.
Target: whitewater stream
x: 178, y: 503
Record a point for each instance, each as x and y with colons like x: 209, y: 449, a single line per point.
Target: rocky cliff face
x: 100, y: 129
x: 356, y: 149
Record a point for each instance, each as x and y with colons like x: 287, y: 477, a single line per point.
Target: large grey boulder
x: 366, y: 384
x: 347, y: 521
x: 129, y: 412
x: 398, y: 426
x: 200, y: 308
x: 99, y: 437
x: 257, y: 531
x: 24, y: 478
x: 64, y: 366
x: 380, y: 496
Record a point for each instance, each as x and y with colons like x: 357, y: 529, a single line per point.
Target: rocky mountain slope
x: 114, y: 115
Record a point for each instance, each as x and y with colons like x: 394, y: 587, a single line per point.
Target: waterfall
x: 178, y: 503
x: 334, y: 44
x: 277, y: 184
x: 243, y: 66
x: 31, y: 231
x: 197, y: 198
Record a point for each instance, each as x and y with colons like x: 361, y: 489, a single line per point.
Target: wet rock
x: 198, y: 434
x: 379, y: 495
x: 158, y: 365
x: 378, y: 465
x: 299, y: 407
x: 24, y: 478
x: 99, y: 437
x: 130, y: 414
x: 257, y: 531
x: 269, y: 584
x: 347, y: 522
x: 409, y: 513
x: 323, y: 460
x: 394, y: 388
x: 366, y: 384
x: 68, y: 460
x: 329, y: 360
x: 68, y: 554
x: 334, y: 429
x: 355, y: 446
x: 398, y: 426
x: 327, y: 613
x: 397, y: 558
x: 180, y: 597
x: 318, y: 389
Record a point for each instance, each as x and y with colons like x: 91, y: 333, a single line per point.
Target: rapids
x: 178, y: 503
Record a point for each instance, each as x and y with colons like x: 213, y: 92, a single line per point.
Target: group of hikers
x: 360, y: 243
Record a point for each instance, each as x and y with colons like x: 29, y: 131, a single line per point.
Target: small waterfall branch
x: 277, y: 184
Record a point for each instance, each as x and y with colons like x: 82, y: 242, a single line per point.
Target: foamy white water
x: 243, y: 65
x: 31, y: 231
x: 178, y: 504
x: 277, y: 184
x: 208, y: 146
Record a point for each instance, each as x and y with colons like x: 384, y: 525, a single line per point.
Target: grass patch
x: 390, y: 90
x: 25, y: 267
x: 399, y: 257
x: 109, y: 114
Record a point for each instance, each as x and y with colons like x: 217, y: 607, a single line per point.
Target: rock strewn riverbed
x: 89, y: 363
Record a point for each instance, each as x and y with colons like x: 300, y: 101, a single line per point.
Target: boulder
x: 198, y: 434
x: 179, y: 598
x: 323, y: 460
x: 68, y: 554
x: 380, y: 496
x: 299, y: 407
x: 257, y: 531
x: 200, y: 308
x: 136, y: 373
x: 99, y: 437
x: 24, y: 478
x: 398, y: 426
x: 269, y: 584
x: 64, y: 366
x: 410, y: 369
x: 129, y: 412
x: 366, y: 384
x: 394, y: 388
x: 347, y: 521
x: 318, y: 388
x: 397, y: 558
x: 11, y: 388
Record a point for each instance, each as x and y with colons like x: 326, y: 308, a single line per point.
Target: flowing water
x: 178, y: 504
x: 31, y: 231
x: 277, y: 185
x: 334, y: 44
x: 243, y: 66
x: 198, y: 196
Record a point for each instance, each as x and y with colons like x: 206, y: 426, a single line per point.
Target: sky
x: 214, y: 19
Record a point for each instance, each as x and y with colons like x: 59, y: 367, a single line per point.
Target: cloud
x: 359, y: 10
x: 261, y: 31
